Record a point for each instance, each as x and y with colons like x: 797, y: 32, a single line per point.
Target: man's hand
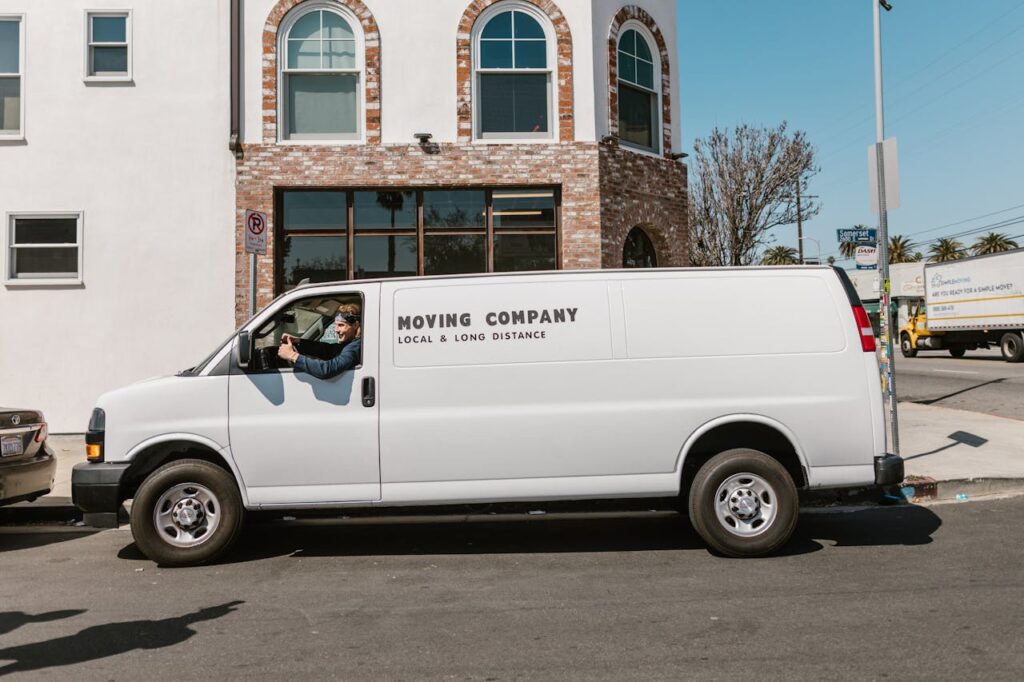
x: 286, y: 351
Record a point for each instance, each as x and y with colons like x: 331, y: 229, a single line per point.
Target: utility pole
x: 800, y: 221
x: 888, y: 361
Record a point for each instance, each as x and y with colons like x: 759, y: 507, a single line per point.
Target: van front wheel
x: 186, y: 513
x: 743, y: 503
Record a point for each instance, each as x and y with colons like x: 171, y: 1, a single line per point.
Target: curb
x: 927, y: 489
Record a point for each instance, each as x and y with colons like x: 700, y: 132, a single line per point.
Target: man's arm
x: 325, y: 369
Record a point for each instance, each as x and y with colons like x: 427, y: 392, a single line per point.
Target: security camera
x: 423, y: 137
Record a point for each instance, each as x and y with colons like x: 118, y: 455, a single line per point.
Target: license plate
x: 11, y: 446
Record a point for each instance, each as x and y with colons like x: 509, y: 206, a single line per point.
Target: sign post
x: 255, y: 243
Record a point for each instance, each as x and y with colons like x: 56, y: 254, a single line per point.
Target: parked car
x: 509, y: 388
x: 27, y: 464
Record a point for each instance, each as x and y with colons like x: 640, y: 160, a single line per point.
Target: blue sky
x: 954, y: 99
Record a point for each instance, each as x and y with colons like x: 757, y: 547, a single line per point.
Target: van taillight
x: 867, y: 334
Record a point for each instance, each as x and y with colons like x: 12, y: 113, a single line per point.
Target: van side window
x: 310, y: 320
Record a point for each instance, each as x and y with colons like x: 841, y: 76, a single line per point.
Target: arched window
x: 321, y: 76
x: 639, y: 98
x: 513, y: 66
x: 638, y: 252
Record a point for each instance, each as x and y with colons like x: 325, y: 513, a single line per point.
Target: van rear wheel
x: 186, y: 513
x: 743, y: 503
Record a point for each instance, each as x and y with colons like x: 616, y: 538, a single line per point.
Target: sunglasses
x: 347, y: 318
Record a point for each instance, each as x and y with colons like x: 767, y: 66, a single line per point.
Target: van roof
x: 560, y: 273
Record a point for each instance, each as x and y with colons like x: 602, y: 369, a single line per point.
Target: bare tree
x: 743, y: 183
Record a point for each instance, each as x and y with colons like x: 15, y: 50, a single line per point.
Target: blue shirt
x: 347, y: 358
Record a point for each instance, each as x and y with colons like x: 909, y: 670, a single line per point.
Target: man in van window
x: 343, y: 356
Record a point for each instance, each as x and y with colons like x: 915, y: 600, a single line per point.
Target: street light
x: 816, y: 243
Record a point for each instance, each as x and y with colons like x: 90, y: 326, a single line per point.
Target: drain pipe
x: 235, y: 141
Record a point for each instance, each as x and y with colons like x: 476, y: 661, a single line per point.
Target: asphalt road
x: 981, y: 381
x: 896, y: 593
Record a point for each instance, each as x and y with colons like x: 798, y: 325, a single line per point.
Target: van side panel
x: 735, y: 342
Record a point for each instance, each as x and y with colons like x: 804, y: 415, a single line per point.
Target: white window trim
x: 18, y: 135
x: 359, y: 137
x: 553, y: 133
x: 659, y: 95
x: 8, y: 246
x: 108, y: 78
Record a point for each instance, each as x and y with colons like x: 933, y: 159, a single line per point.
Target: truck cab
x: 914, y: 335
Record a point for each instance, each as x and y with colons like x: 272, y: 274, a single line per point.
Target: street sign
x: 866, y: 257
x: 892, y: 175
x: 255, y: 232
x: 864, y: 236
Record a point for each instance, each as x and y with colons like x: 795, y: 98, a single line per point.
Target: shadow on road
x: 12, y: 620
x: 10, y: 542
x: 110, y: 639
x: 550, y: 535
x: 932, y: 401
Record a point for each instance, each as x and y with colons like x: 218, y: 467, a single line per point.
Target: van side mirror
x: 244, y: 349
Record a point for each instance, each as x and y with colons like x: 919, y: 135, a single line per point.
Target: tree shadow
x: 552, y: 534
x: 109, y: 639
x: 12, y: 620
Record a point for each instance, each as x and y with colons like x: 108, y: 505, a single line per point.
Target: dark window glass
x: 642, y: 50
x: 527, y: 27
x: 531, y: 54
x: 638, y: 251
x: 453, y: 209
x: 53, y: 262
x: 390, y: 256
x: 499, y: 27
x: 322, y: 104
x: 109, y: 30
x: 315, y: 211
x: 627, y: 67
x: 454, y: 254
x: 636, y: 116
x: 10, y: 52
x: 514, y: 103
x: 519, y: 252
x: 495, y: 54
x: 109, y: 60
x: 645, y: 74
x: 375, y: 210
x: 524, y: 208
x: 319, y: 259
x: 627, y: 43
x: 45, y: 231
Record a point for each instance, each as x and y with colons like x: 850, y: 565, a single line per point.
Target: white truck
x: 969, y: 304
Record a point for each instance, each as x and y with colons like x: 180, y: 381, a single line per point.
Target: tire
x: 186, y: 513
x: 907, y: 346
x: 727, y: 481
x: 958, y: 352
x: 1012, y: 346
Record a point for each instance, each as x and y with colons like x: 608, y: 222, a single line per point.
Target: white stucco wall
x: 148, y: 165
x: 418, y: 79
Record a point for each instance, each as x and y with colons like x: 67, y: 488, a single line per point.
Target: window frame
x: 19, y: 134
x: 657, y: 136
x: 112, y: 76
x: 421, y: 231
x: 9, y: 246
x: 551, y: 50
x: 284, y: 30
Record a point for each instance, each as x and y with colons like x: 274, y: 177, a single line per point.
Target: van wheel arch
x: 155, y: 456
x: 741, y: 434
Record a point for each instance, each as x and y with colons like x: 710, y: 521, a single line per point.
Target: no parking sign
x: 255, y: 232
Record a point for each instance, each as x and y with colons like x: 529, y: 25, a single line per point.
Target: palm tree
x: 993, y: 242
x: 946, y: 250
x: 899, y: 250
x: 780, y: 255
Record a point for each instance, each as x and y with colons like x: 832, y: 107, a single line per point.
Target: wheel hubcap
x: 187, y: 515
x: 745, y: 505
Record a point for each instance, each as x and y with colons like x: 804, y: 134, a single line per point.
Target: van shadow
x: 580, y: 533
x: 108, y: 639
x: 11, y: 542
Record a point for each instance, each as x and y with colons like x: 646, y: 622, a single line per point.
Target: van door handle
x: 369, y: 392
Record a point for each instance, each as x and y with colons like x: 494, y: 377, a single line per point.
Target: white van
x: 502, y: 388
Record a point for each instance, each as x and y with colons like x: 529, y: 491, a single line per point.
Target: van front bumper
x: 96, y: 487
x: 888, y: 469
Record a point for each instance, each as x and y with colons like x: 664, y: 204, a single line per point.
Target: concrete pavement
x: 947, y: 452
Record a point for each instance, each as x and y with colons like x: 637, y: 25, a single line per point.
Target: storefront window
x: 334, y: 234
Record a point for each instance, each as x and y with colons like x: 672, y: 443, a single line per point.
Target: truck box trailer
x: 971, y: 303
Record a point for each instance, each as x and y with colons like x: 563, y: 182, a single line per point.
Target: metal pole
x: 888, y: 361
x: 799, y: 224
x: 252, y: 284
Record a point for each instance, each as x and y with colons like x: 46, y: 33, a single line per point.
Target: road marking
x: 954, y: 371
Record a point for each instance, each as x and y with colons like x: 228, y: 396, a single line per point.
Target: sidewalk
x: 947, y: 453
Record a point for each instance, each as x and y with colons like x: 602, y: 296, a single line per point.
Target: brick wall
x: 642, y: 190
